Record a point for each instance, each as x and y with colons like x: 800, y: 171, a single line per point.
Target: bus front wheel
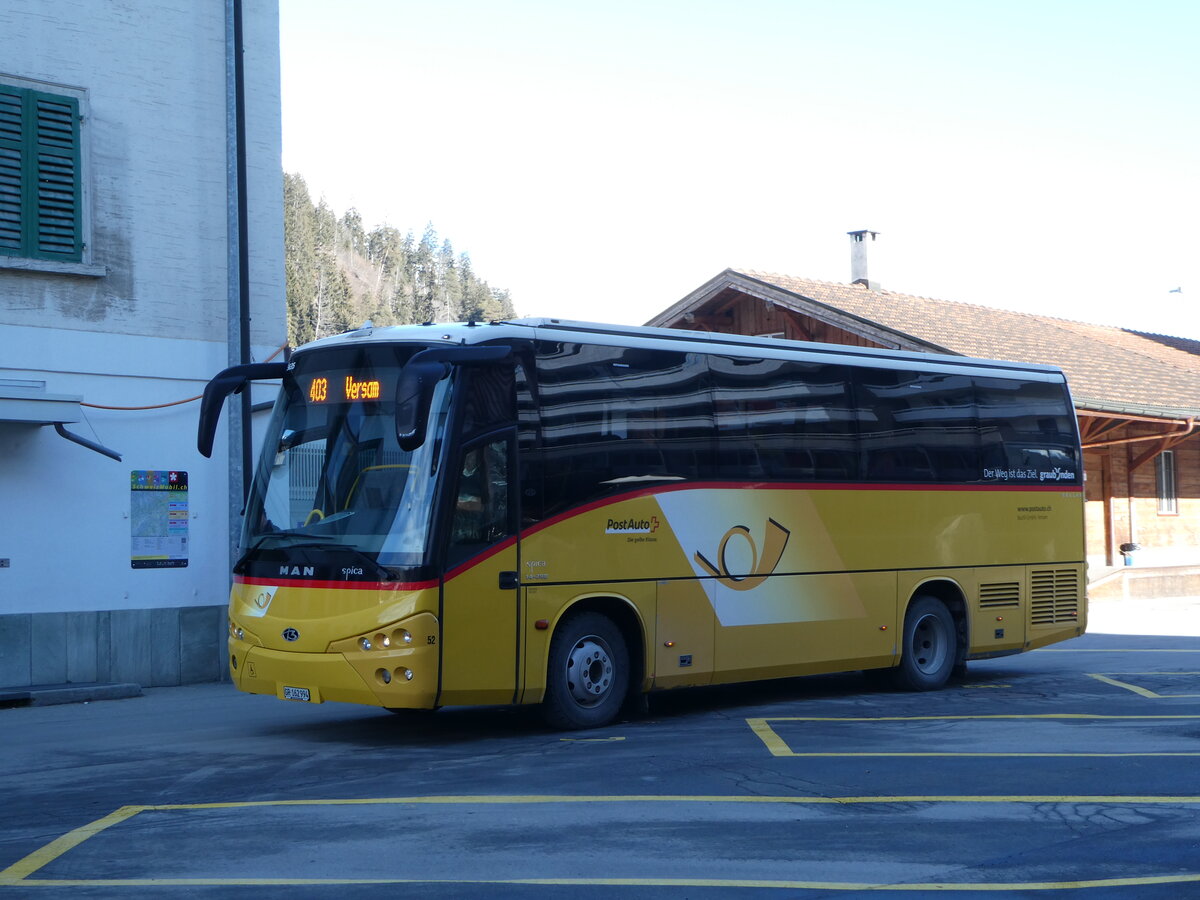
x: 588, y: 673
x: 930, y: 646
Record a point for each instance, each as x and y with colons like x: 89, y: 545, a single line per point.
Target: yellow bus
x: 568, y: 514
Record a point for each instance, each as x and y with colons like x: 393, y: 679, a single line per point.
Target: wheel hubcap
x: 929, y: 644
x: 589, y: 671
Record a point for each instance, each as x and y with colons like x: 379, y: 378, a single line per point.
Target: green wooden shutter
x: 40, y: 188
x: 58, y: 203
x: 12, y: 143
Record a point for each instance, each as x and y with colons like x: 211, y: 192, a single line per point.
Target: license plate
x: 294, y: 693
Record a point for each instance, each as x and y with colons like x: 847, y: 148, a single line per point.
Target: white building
x: 118, y: 271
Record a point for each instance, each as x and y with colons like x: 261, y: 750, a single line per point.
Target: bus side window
x: 613, y: 417
x: 491, y: 400
x: 783, y: 420
x: 917, y: 426
x: 1027, y: 428
x: 481, y: 509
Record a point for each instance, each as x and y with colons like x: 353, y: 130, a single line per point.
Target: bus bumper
x: 404, y: 680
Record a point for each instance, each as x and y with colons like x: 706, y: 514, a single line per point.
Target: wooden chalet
x: 1137, y: 395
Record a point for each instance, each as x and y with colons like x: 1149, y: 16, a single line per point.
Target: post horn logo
x: 774, y: 541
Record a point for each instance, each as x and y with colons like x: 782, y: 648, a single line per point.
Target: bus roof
x: 449, y: 334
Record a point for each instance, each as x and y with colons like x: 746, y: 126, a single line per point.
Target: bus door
x: 479, y: 596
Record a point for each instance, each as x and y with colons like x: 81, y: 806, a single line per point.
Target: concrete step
x: 54, y: 694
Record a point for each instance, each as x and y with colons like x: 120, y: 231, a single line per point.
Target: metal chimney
x: 859, y: 242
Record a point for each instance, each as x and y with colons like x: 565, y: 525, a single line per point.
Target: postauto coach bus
x: 567, y: 514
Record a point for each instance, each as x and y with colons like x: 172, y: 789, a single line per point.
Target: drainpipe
x: 238, y: 265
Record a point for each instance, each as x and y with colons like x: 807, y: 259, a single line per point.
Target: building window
x: 41, y: 191
x: 1164, y: 480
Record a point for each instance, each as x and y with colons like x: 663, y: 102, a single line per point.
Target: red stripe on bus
x: 476, y: 560
x: 338, y: 585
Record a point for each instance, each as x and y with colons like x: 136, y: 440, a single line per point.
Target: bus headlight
x: 365, y: 643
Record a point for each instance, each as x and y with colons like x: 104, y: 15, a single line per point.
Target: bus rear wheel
x: 588, y: 674
x: 930, y: 646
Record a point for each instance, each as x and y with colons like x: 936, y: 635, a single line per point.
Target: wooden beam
x: 1092, y: 427
x: 1189, y: 425
x: 1164, y: 443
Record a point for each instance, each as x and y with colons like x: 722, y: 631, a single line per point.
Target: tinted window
x: 482, y: 511
x: 782, y: 420
x: 615, y: 418
x: 491, y: 399
x: 917, y: 426
x: 1027, y: 430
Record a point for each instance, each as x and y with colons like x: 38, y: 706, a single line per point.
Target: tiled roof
x: 1111, y: 369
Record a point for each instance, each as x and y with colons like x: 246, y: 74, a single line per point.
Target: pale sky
x: 602, y: 160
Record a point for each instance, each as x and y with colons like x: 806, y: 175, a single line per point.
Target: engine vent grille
x: 999, y: 595
x: 1054, y: 596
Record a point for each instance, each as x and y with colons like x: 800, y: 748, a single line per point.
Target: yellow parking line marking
x: 779, y: 747
x: 57, y: 847
x: 1144, y: 692
x: 17, y: 874
x: 727, y: 883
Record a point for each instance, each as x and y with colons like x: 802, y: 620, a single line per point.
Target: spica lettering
x: 351, y: 570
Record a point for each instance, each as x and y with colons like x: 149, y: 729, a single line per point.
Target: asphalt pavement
x: 1070, y: 771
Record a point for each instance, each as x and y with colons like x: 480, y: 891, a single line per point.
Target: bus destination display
x: 341, y: 389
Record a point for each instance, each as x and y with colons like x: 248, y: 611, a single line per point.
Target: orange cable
x: 173, y: 402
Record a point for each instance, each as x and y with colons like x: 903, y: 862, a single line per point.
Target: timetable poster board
x: 158, y: 516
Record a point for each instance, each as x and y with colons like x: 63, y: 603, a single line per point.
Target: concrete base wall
x: 150, y: 647
x: 1147, y: 584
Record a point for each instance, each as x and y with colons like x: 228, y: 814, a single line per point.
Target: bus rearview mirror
x: 226, y: 382
x: 414, y: 394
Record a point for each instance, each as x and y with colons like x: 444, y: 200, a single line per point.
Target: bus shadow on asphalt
x: 363, y: 727
x: 852, y: 692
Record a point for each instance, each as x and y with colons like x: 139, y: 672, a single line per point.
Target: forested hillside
x: 338, y: 275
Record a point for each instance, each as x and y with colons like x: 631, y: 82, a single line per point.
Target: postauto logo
x: 775, y: 538
x: 632, y: 526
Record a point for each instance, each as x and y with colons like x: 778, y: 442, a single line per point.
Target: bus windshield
x: 338, y: 480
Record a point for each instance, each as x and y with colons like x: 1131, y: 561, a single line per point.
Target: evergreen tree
x: 450, y: 295
x: 424, y: 303
x: 299, y: 260
x: 338, y: 274
x: 351, y: 237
